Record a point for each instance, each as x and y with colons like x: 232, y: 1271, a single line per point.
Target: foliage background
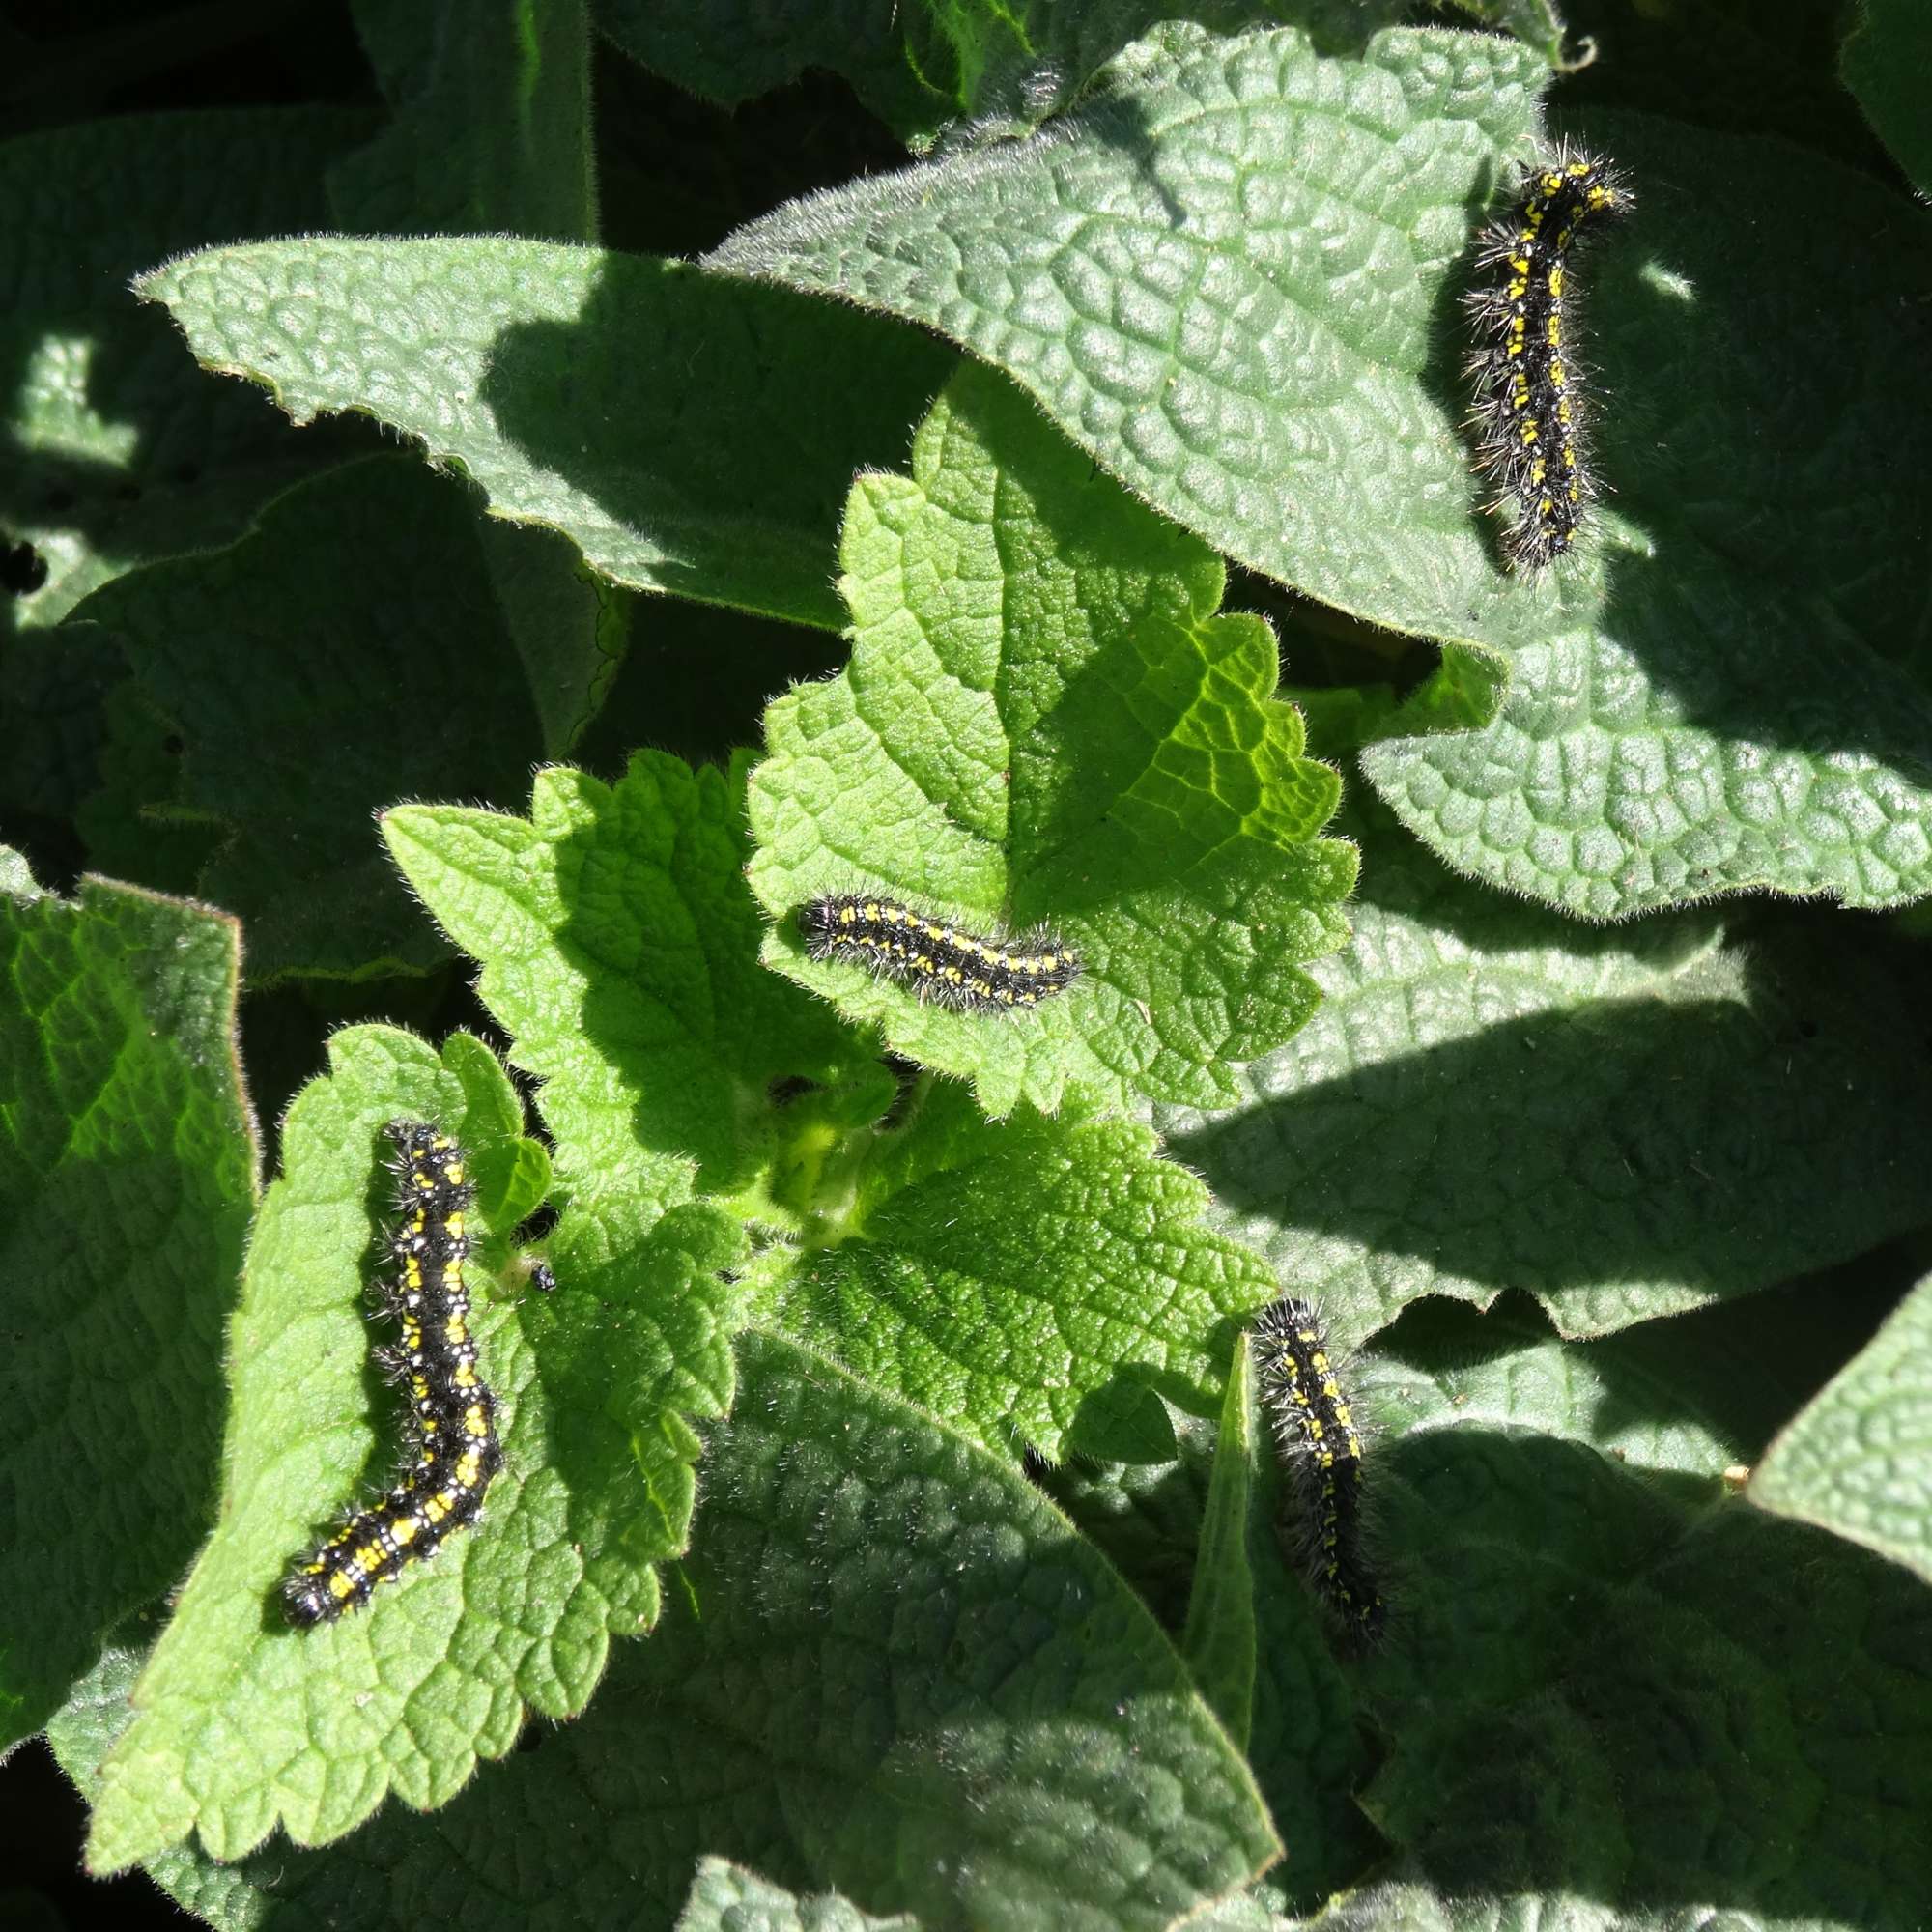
x: 1609, y: 1212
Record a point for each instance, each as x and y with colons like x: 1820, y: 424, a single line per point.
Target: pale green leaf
x: 1858, y: 1460
x: 1625, y: 1121
x: 727, y: 1898
x: 1044, y: 721
x: 686, y: 433
x: 619, y: 950
x: 241, y: 1723
x: 1029, y: 1279
x: 1232, y: 276
x: 1219, y: 1640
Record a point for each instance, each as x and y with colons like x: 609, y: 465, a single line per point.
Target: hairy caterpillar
x: 940, y: 963
x: 1321, y: 1454
x: 455, y: 1451
x: 1530, y: 413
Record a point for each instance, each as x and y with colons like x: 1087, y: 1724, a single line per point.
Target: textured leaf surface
x: 727, y: 1898
x: 1605, y: 1680
x: 241, y: 1723
x: 1045, y: 721
x: 1030, y: 1279
x: 351, y: 649
x: 689, y: 435
x: 127, y: 1170
x: 619, y: 950
x: 80, y: 1735
x: 965, y: 1715
x: 1233, y: 277
x: 1625, y: 1122
x: 1172, y: 1530
x: 1858, y: 1460
x: 491, y: 121
x: 116, y: 449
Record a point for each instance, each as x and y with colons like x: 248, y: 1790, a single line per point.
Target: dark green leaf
x: 1625, y: 1121
x: 349, y: 651
x: 126, y: 1172
x: 492, y: 128
x: 114, y: 450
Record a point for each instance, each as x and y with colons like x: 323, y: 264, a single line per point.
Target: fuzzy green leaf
x: 127, y: 1170
x: 1606, y: 1680
x: 687, y: 434
x: 891, y: 1671
x: 1233, y: 277
x: 1625, y: 1121
x: 1044, y: 721
x: 1201, y: 1540
x: 619, y: 950
x: 309, y: 694
x: 492, y: 128
x: 81, y: 1733
x: 1858, y: 1460
x: 116, y: 450
x: 727, y: 1898
x: 1029, y: 1279
x: 1888, y: 59
x: 241, y: 1723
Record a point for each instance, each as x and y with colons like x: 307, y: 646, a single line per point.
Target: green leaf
x: 924, y: 65
x: 964, y: 1714
x: 492, y: 128
x: 1044, y: 721
x: 492, y: 134
x: 570, y: 627
x: 1308, y: 1745
x: 1030, y: 1279
x: 127, y: 1170
x: 80, y: 1735
x: 241, y: 1723
x: 1858, y: 1460
x: 348, y: 651
x: 727, y: 1898
x: 1625, y: 1121
x: 619, y: 950
x: 1616, y: 1684
x: 1219, y: 1641
x: 1887, y: 57
x: 687, y: 434
x: 116, y: 450
x: 1233, y: 277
